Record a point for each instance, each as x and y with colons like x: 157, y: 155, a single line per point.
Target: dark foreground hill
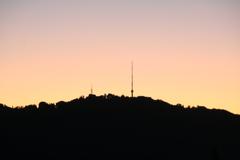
x: 111, y: 127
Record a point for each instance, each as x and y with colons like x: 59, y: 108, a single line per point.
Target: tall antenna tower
x: 132, y: 91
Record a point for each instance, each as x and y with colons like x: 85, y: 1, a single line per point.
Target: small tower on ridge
x: 91, y: 91
x: 132, y: 91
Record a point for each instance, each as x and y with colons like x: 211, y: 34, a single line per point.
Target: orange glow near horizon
x: 52, y: 52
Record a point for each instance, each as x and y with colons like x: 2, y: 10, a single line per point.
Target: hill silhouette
x: 113, y: 127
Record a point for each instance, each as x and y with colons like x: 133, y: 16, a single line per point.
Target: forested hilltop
x: 113, y: 127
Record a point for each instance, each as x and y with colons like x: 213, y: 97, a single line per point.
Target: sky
x: 184, y: 51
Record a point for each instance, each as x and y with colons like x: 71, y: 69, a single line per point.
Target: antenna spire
x: 132, y: 91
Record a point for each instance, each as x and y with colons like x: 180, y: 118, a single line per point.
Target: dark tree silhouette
x: 45, y: 106
x: 31, y: 107
x: 112, y: 127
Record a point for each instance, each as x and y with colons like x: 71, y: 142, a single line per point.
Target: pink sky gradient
x: 185, y: 52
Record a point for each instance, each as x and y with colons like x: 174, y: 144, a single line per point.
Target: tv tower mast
x: 132, y: 91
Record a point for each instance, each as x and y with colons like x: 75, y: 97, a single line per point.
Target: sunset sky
x: 184, y: 51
